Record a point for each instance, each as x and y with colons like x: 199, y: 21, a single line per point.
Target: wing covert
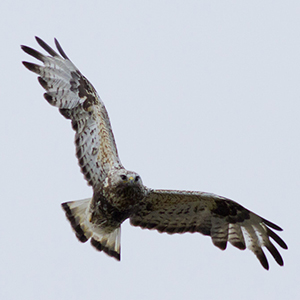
x: 67, y: 89
x: 221, y: 218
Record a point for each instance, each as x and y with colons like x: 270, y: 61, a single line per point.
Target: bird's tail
x: 102, y: 239
x: 76, y: 212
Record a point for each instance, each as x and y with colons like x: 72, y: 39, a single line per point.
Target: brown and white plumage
x: 221, y: 218
x: 119, y: 194
x: 77, y: 100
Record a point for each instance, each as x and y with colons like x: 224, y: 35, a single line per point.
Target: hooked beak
x: 130, y: 179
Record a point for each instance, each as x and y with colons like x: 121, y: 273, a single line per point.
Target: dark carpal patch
x: 233, y: 212
x: 85, y: 90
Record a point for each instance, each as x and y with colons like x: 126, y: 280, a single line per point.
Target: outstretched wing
x: 77, y: 100
x: 223, y: 219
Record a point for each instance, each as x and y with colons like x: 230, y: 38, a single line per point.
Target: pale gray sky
x: 202, y: 95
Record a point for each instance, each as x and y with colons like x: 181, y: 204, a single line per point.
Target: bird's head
x: 125, y: 185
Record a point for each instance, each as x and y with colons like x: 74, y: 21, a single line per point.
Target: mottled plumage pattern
x: 119, y: 194
x: 221, y: 218
x: 77, y: 100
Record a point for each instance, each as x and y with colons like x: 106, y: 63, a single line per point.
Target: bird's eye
x: 123, y: 177
x: 137, y: 178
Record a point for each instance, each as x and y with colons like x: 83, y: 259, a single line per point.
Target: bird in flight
x: 119, y: 194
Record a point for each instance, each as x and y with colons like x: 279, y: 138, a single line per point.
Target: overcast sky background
x: 202, y: 95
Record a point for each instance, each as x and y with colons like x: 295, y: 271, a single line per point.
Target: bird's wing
x: 221, y: 218
x: 77, y: 100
